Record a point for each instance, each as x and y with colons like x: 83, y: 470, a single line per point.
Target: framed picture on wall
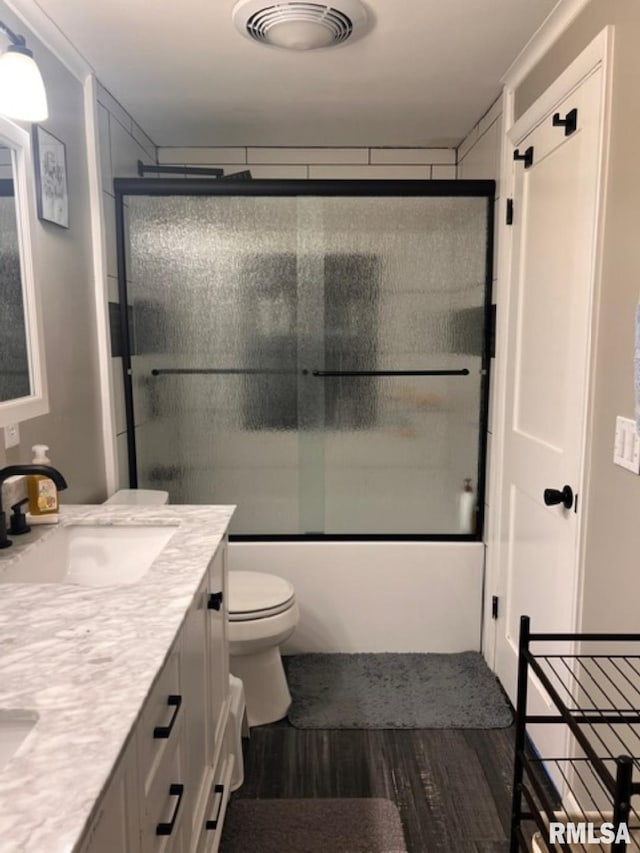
x: 52, y: 194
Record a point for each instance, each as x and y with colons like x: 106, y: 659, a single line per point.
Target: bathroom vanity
x: 114, y: 695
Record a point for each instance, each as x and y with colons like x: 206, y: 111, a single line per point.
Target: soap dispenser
x: 43, y: 494
x: 467, y: 508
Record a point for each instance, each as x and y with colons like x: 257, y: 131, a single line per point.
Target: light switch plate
x: 626, y: 450
x: 11, y: 436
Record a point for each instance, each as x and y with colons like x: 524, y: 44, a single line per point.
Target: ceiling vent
x: 300, y: 26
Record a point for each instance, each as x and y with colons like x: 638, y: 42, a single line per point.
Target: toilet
x: 263, y: 613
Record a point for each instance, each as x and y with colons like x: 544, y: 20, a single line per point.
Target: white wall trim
x: 100, y: 285
x: 604, y: 44
x: 499, y: 378
x: 545, y: 36
x: 15, y: 137
x: 53, y: 38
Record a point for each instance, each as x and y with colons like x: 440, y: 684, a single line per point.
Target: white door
x: 552, y: 276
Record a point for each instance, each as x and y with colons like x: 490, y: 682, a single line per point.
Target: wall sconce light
x: 22, y: 93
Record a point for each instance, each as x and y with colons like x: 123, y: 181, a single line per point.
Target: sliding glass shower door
x: 320, y: 361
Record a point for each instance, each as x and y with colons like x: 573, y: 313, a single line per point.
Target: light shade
x: 22, y: 93
x: 300, y: 35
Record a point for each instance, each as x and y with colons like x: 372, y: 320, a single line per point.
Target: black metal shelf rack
x: 597, y: 696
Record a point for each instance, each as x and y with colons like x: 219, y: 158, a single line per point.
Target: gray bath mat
x: 312, y: 826
x: 395, y: 691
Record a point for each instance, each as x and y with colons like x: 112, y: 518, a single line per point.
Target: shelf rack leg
x: 622, y: 801
x: 521, y: 716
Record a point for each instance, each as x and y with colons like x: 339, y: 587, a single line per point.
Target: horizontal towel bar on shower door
x: 323, y: 373
x: 178, y: 371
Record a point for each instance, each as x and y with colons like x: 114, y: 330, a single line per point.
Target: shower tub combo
x: 318, y: 353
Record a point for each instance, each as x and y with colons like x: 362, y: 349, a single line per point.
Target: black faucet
x: 14, y: 470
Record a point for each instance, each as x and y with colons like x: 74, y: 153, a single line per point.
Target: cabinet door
x: 161, y: 720
x: 218, y: 651
x: 116, y: 825
x: 163, y: 814
x: 213, y: 819
x: 195, y: 680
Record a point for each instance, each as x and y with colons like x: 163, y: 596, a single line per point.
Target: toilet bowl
x: 263, y: 613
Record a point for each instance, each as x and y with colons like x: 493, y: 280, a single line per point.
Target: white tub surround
x: 376, y: 596
x: 85, y: 659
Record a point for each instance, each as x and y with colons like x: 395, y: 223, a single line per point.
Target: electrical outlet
x: 626, y: 450
x: 11, y: 436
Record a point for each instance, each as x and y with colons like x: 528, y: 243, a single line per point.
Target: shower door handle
x: 329, y: 373
x: 220, y: 371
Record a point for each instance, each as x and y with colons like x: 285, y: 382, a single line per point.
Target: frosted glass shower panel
x: 403, y: 471
x: 404, y: 300
x: 316, y: 360
x: 212, y: 282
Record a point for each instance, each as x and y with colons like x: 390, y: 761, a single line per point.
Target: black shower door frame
x: 321, y: 188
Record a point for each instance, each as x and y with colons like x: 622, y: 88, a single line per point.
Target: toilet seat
x: 255, y: 595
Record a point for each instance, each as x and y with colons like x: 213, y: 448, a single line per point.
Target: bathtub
x: 376, y: 596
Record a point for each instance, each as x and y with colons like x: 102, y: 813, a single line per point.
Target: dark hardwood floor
x: 451, y: 787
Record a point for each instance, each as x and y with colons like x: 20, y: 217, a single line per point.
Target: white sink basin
x: 90, y: 555
x: 14, y: 727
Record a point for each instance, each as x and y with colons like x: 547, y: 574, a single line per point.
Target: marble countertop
x: 84, y: 659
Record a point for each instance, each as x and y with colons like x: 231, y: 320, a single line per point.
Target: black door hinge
x: 494, y: 607
x: 569, y: 122
x: 509, y: 217
x: 527, y: 157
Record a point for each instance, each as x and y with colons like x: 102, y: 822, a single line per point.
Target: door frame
x: 180, y: 186
x: 598, y: 53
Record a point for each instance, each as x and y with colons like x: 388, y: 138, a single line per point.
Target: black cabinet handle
x: 215, y: 601
x: 213, y: 824
x: 167, y: 828
x: 173, y: 701
x: 555, y: 496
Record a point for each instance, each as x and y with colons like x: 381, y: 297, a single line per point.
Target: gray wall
x: 72, y: 428
x: 612, y: 560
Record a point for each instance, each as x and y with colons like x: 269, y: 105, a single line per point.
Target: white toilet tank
x: 139, y: 497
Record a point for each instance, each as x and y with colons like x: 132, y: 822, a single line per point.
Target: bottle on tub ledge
x: 467, y: 509
x: 43, y: 494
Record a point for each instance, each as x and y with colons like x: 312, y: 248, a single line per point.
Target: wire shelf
x: 597, y: 696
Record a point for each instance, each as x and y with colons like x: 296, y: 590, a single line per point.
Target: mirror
x: 14, y: 359
x: 22, y: 381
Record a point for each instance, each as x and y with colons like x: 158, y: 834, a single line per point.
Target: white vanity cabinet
x: 208, y: 827
x: 170, y: 789
x: 206, y: 684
